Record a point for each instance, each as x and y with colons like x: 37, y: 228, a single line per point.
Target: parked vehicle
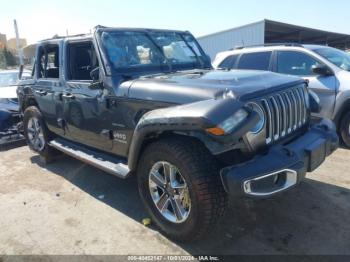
x: 327, y: 69
x: 147, y: 102
x: 9, y: 109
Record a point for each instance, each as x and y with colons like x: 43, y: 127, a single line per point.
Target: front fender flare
x: 192, y: 120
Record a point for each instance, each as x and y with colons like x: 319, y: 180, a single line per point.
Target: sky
x: 40, y: 19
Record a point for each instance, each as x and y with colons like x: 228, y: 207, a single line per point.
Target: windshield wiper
x: 161, y: 51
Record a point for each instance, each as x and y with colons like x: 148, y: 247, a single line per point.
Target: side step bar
x: 110, y: 164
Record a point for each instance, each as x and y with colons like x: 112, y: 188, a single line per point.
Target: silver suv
x: 327, y: 70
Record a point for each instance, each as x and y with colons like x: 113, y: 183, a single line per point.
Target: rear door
x: 298, y: 63
x: 48, y: 87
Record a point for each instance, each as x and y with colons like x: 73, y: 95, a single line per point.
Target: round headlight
x: 260, y: 125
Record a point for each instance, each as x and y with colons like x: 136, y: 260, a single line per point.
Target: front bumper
x: 283, y: 166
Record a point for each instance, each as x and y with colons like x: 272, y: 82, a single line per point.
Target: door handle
x: 41, y: 92
x: 68, y: 96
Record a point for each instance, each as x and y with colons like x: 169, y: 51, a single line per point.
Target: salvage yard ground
x: 68, y: 207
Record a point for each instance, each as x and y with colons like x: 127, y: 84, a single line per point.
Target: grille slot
x: 285, y: 112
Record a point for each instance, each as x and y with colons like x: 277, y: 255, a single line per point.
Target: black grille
x: 285, y: 112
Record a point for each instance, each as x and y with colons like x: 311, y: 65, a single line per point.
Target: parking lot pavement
x: 68, y: 207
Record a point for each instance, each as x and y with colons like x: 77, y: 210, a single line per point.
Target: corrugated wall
x: 252, y: 34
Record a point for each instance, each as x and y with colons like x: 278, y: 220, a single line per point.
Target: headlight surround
x: 233, y: 121
x: 228, y: 125
x: 260, y: 125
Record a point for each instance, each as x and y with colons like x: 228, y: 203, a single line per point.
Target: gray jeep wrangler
x: 146, y: 102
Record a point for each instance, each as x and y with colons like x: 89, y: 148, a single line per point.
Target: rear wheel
x: 181, y: 188
x: 37, y: 134
x: 345, y: 129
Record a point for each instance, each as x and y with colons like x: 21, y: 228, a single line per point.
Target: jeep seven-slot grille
x: 285, y: 112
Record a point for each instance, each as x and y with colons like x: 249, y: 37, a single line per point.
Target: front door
x: 300, y: 64
x: 85, y: 114
x: 85, y: 108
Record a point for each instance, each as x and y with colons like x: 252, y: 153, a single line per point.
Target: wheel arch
x: 140, y: 144
x: 341, y: 112
x: 29, y: 101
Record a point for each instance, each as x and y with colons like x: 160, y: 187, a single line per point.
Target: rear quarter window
x: 229, y: 62
x: 255, y: 61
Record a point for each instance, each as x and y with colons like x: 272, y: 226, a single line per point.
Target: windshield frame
x: 201, y: 62
x: 335, y: 50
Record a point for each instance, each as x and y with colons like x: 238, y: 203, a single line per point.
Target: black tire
x: 345, y: 129
x: 201, y: 172
x: 47, y: 153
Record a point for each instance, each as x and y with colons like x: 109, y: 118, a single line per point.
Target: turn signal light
x: 217, y: 131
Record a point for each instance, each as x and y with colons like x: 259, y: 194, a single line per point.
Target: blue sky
x: 39, y: 19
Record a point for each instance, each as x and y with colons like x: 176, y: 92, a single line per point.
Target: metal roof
x: 283, y: 32
x: 279, y: 32
x: 231, y: 29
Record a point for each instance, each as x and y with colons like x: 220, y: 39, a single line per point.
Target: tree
x: 2, y: 59
x: 7, y: 58
x: 10, y: 58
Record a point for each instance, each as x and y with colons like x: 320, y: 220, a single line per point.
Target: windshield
x: 8, y: 79
x: 336, y: 57
x: 152, y: 51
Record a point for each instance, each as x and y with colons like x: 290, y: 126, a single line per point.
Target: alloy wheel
x: 169, y: 192
x: 35, y: 134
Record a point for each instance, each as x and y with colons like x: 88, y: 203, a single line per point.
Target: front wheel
x: 180, y: 186
x: 345, y: 129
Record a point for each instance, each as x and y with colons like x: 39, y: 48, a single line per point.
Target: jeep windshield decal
x: 141, y: 52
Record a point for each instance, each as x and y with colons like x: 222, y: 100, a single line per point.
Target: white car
x: 8, y: 84
x: 327, y: 70
x: 9, y: 108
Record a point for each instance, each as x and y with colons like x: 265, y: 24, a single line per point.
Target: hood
x: 8, y: 92
x: 187, y: 87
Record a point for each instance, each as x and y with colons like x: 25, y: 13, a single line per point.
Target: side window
x: 255, y: 61
x: 81, y: 60
x: 229, y: 62
x: 48, y: 61
x: 295, y: 63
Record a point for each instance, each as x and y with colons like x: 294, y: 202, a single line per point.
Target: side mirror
x: 322, y: 70
x: 95, y: 74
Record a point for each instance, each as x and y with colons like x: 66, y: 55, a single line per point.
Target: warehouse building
x: 268, y: 31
